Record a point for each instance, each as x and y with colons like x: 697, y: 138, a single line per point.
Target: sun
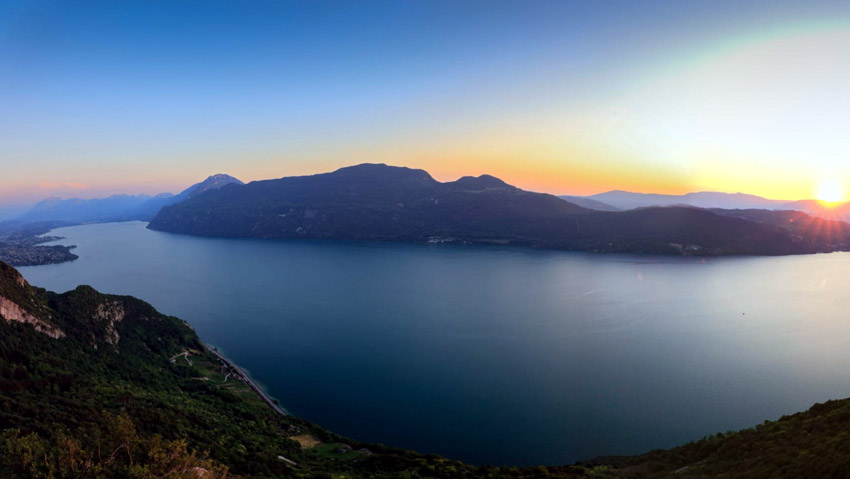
x: 830, y: 191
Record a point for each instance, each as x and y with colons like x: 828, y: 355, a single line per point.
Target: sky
x: 565, y: 97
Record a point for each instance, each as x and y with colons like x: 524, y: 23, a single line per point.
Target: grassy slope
x: 811, y: 444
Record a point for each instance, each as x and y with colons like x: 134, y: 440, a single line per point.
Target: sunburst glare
x: 829, y: 191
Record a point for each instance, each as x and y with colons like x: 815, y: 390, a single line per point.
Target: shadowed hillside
x: 384, y: 203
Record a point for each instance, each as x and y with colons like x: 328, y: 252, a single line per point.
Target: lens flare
x: 829, y: 191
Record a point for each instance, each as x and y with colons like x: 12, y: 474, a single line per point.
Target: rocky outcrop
x: 111, y: 312
x: 85, y: 316
x: 12, y: 312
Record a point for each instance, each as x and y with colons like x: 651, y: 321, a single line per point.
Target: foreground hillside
x: 811, y: 444
x: 101, y: 386
x: 384, y: 203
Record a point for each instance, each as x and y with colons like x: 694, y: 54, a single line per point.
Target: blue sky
x: 565, y: 97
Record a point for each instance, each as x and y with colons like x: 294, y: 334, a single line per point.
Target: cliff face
x: 13, y: 312
x: 87, y: 315
x: 110, y: 313
x: 20, y: 302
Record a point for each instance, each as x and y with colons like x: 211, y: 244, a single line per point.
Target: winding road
x: 249, y: 382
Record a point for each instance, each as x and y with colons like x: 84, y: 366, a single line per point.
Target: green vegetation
x: 212, y: 370
x: 114, y: 452
x: 811, y: 444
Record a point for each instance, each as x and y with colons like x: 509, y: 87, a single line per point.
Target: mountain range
x: 145, y: 207
x: 625, y: 200
x: 590, y: 203
x: 833, y: 211
x: 386, y: 203
x: 116, y: 207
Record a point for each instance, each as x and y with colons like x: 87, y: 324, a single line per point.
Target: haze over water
x: 495, y: 355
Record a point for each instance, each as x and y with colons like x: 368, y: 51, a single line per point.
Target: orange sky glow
x: 759, y: 107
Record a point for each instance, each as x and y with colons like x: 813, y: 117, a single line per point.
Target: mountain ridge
x: 623, y: 199
x: 21, y: 240
x: 376, y: 202
x: 118, y: 207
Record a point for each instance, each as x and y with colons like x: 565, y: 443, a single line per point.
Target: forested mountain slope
x: 386, y: 203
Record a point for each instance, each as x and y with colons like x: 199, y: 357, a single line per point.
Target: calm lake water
x: 495, y: 355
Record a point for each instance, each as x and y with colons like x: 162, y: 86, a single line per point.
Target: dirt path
x: 185, y: 355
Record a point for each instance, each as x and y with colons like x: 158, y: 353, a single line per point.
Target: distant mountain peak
x: 213, y: 182
x: 703, y: 199
x: 377, y: 167
x: 384, y: 173
x: 49, y: 201
x: 223, y: 177
x: 480, y: 182
x: 118, y: 207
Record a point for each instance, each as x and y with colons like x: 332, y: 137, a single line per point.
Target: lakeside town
x: 29, y: 252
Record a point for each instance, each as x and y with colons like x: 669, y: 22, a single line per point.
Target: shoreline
x: 247, y: 380
x: 662, y: 256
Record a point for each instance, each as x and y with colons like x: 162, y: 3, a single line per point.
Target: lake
x: 494, y: 355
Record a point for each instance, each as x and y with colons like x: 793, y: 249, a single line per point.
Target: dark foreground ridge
x: 385, y: 203
x: 103, y: 386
